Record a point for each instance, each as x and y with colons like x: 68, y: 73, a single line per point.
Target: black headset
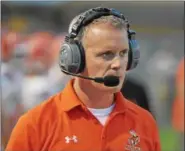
x: 72, y: 54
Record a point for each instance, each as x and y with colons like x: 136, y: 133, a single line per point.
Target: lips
x: 119, y: 76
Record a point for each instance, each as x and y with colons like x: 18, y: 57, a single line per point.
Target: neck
x: 91, y: 96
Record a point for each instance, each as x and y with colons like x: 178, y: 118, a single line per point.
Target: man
x: 10, y: 84
x: 136, y: 92
x: 88, y: 115
x: 178, y: 104
x: 34, y: 85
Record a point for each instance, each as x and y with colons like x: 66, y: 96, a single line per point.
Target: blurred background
x: 31, y: 35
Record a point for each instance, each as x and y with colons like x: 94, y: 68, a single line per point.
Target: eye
x: 123, y: 53
x: 108, y: 55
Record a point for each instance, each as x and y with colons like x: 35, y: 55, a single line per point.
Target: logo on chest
x: 72, y: 139
x: 133, y: 142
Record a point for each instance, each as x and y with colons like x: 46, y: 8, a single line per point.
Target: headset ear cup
x: 70, y: 58
x: 129, y: 58
x: 82, y: 54
x: 134, y: 52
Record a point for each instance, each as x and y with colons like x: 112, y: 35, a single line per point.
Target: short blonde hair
x: 113, y: 20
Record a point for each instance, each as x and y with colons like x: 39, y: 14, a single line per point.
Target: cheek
x: 124, y: 62
x: 94, y: 64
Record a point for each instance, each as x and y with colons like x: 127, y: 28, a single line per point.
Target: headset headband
x: 88, y: 16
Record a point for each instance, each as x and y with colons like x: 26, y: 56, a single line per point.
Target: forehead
x: 106, y: 36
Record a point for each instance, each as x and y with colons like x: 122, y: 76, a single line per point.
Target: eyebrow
x: 111, y: 50
x: 126, y: 49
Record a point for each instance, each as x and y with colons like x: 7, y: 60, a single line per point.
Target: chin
x: 110, y: 89
x: 113, y: 89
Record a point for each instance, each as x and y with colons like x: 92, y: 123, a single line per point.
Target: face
x: 106, y: 50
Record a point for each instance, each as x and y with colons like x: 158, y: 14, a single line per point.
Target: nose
x: 116, y: 64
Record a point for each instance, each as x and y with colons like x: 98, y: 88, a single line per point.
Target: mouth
x: 119, y: 77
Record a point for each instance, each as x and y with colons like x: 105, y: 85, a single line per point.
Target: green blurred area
x: 170, y: 139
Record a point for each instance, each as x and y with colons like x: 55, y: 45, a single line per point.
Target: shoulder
x: 35, y: 126
x: 143, y: 120
x: 141, y: 115
x: 44, y: 113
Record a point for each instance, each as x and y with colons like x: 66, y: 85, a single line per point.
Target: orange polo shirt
x: 63, y: 123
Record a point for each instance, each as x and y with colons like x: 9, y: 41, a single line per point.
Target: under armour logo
x: 69, y: 139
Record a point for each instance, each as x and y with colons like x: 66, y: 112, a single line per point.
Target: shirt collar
x: 69, y: 99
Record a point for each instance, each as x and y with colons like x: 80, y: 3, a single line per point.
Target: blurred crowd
x: 30, y: 73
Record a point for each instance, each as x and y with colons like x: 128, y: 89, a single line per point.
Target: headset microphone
x: 110, y: 81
